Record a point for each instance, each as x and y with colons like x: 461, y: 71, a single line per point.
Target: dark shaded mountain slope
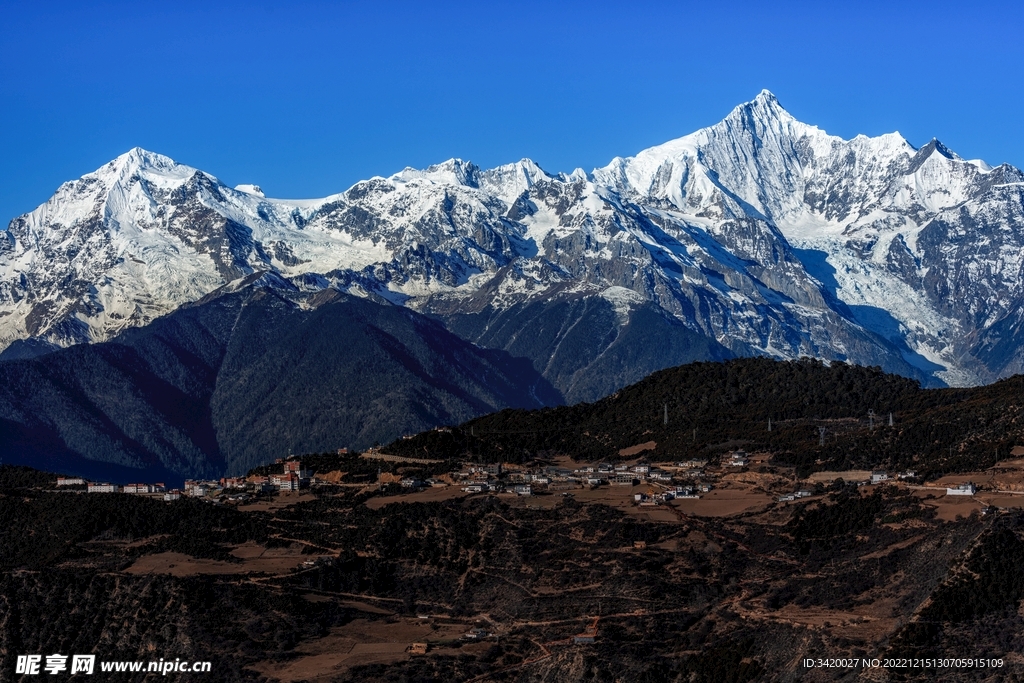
x: 578, y: 345
x: 245, y: 376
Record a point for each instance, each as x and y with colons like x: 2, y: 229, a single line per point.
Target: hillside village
x: 576, y: 556
x: 639, y: 483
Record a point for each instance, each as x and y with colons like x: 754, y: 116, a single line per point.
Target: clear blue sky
x: 306, y: 99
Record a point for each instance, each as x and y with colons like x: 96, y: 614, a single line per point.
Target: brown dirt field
x: 1007, y: 475
x: 979, y: 478
x: 848, y: 475
x: 426, y: 495
x: 356, y: 643
x: 948, y: 507
x: 179, y: 564
x: 254, y: 558
x: 1014, y: 464
x: 637, y: 449
x: 723, y: 503
x: 615, y: 496
x: 1001, y: 501
x: 761, y: 479
x: 278, y: 502
x: 715, y: 503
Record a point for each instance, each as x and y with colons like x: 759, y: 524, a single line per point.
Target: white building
x: 967, y: 489
x: 70, y: 481
x: 103, y: 488
x: 878, y: 476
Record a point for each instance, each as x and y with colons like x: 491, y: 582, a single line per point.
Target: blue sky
x: 304, y: 99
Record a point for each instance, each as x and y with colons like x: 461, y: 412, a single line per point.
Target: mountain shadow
x: 245, y: 376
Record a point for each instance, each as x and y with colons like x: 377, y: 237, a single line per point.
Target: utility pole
x: 769, y: 424
x: 695, y: 435
x: 890, y: 418
x: 871, y: 420
x: 666, y: 415
x: 821, y: 436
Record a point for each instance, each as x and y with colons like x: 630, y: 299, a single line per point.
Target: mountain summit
x: 757, y: 235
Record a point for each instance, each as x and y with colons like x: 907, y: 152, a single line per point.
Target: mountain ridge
x: 760, y: 234
x: 249, y: 373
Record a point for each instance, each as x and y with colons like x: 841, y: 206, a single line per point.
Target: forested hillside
x: 702, y: 409
x: 244, y: 377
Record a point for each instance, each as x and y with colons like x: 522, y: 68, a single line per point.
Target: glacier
x: 761, y: 234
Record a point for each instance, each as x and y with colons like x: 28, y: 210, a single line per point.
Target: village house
x: 522, y: 490
x: 659, y: 475
x: 70, y: 481
x: 295, y: 467
x: 878, y: 476
x: 286, y: 481
x: 738, y: 459
x: 623, y: 479
x: 103, y: 488
x: 198, y: 489
x: 173, y: 494
x: 692, y: 463
x: 965, y: 489
x: 683, y: 492
x: 138, y: 488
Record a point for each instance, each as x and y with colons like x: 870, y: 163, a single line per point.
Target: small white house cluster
x: 802, y: 493
x: 107, y: 487
x: 737, y: 459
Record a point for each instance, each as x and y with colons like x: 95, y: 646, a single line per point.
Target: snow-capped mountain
x: 758, y: 235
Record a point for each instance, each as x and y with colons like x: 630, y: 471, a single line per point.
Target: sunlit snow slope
x: 758, y: 235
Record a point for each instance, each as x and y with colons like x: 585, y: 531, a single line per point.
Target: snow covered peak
x: 509, y: 181
x: 451, y: 172
x: 250, y: 189
x: 138, y: 160
x: 714, y: 227
x: 763, y: 108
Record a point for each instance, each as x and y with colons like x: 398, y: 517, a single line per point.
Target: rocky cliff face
x: 758, y: 235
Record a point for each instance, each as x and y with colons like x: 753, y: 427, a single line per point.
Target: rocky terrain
x: 760, y: 235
